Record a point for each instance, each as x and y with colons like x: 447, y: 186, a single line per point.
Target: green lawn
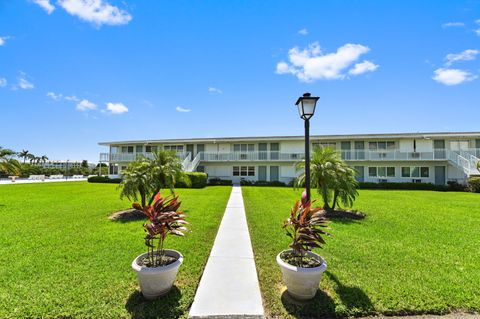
x: 60, y: 257
x: 416, y: 252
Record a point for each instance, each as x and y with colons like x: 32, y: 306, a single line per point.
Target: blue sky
x: 76, y: 72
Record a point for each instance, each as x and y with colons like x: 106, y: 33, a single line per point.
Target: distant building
x: 62, y: 165
x: 409, y: 157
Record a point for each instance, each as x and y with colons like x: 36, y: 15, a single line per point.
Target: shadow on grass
x: 129, y: 215
x: 353, y: 299
x: 164, y: 307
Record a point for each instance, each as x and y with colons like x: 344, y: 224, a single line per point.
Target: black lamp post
x: 306, y: 108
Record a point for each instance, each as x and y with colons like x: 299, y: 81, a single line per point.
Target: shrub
x: 219, y: 182
x: 245, y: 182
x: 271, y: 184
x: 104, y: 179
x: 198, y: 179
x: 413, y: 186
x: 192, y: 180
x: 474, y: 184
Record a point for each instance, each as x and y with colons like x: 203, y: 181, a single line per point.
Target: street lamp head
x: 306, y: 105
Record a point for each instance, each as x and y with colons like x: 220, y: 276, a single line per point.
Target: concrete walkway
x: 229, y: 286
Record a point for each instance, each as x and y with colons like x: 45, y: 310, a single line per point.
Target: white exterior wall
x: 224, y: 169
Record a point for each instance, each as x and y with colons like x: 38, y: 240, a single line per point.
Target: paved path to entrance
x: 229, y: 286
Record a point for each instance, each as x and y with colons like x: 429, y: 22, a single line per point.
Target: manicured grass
x: 60, y: 257
x: 416, y: 252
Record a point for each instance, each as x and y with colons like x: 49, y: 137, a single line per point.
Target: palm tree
x: 145, y: 177
x: 7, y: 163
x: 31, y: 158
x: 24, y: 154
x: 332, y: 177
x: 44, y: 158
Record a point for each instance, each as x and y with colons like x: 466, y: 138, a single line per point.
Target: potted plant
x: 301, y: 268
x: 157, y: 269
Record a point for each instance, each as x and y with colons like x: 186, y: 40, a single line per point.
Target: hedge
x: 195, y: 180
x: 219, y: 182
x: 474, y: 184
x: 452, y: 186
x: 104, y: 179
x: 262, y: 183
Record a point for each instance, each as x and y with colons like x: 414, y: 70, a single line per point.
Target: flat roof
x: 424, y: 135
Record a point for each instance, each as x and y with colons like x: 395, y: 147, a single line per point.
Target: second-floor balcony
x: 129, y: 157
x: 348, y: 155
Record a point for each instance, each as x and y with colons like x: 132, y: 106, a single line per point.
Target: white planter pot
x: 302, y: 283
x: 157, y: 281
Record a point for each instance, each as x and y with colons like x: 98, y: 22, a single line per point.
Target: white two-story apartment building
x: 410, y: 157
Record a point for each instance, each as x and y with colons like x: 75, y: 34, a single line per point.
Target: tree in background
x: 333, y: 178
x: 84, y: 164
x: 24, y: 154
x: 8, y: 164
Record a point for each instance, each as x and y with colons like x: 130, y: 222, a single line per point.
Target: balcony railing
x: 250, y: 156
x: 350, y: 155
x: 393, y: 155
x: 129, y: 157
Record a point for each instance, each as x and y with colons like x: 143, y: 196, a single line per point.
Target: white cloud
x: 97, y: 12
x: 23, y: 83
x: 452, y: 76
x: 86, y: 105
x: 215, y: 90
x: 453, y: 24
x: 3, y: 82
x: 182, y: 110
x: 477, y: 32
x: 116, y: 108
x: 466, y: 55
x: 46, y: 5
x: 54, y: 96
x: 303, y: 31
x: 72, y: 98
x: 365, y: 66
x: 311, y: 64
x: 3, y: 40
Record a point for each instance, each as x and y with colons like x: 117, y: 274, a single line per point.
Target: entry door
x: 359, y: 150
x: 262, y: 173
x: 439, y: 149
x: 440, y: 175
x: 274, y: 151
x: 360, y: 173
x: 274, y: 173
x: 200, y: 149
x: 477, y: 146
x: 190, y: 149
x: 346, y: 150
x: 262, y: 151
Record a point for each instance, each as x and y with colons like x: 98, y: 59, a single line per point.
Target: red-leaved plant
x: 164, y: 218
x: 305, y: 227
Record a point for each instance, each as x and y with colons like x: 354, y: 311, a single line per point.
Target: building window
x: 176, y: 148
x: 139, y: 148
x: 416, y: 171
x: 150, y: 149
x: 127, y: 149
x: 243, y: 147
x: 381, y: 171
x: 244, y: 171
x: 381, y: 146
x: 332, y: 145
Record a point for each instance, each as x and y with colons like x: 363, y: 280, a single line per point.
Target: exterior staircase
x: 191, y: 165
x: 465, y: 160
